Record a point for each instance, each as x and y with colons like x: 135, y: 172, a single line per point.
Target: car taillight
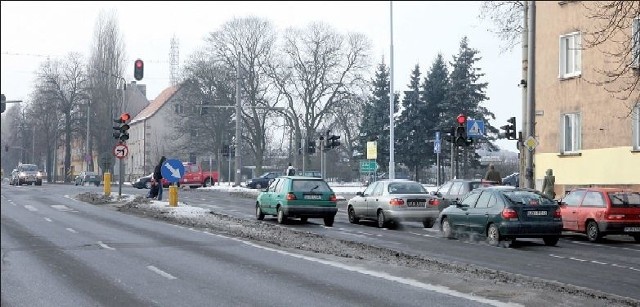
x: 615, y: 216
x: 333, y: 198
x: 557, y: 213
x: 291, y: 196
x: 508, y: 213
x: 434, y: 202
x: 396, y: 202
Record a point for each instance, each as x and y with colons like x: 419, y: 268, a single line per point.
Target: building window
x: 635, y: 37
x: 179, y: 108
x: 570, y: 55
x: 636, y: 127
x: 571, y: 132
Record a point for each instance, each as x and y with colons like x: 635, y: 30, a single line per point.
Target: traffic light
x: 225, y: 150
x: 510, y: 129
x: 333, y: 141
x: 4, y: 103
x: 311, y: 147
x: 123, y: 129
x: 138, y: 69
x: 461, y: 130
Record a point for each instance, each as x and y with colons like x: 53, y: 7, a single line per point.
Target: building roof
x: 156, y: 104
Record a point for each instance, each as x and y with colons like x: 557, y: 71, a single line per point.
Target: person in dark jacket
x: 157, y: 176
x: 493, y: 175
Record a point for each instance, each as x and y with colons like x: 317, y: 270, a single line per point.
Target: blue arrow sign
x: 475, y: 128
x: 436, y: 143
x: 172, y: 170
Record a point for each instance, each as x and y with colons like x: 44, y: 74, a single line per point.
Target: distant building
x: 586, y: 135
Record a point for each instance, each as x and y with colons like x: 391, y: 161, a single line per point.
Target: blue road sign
x: 436, y: 143
x: 172, y: 170
x: 475, y: 128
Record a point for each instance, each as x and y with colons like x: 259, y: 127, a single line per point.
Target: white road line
x: 71, y: 230
x: 600, y: 245
x: 598, y: 262
x: 577, y: 259
x: 556, y: 256
x: 595, y: 262
x: 48, y: 219
x: 105, y: 246
x: 30, y: 208
x: 161, y: 272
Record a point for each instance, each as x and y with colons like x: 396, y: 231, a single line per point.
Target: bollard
x: 173, y: 196
x: 107, y: 184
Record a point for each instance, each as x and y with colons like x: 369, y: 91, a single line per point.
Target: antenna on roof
x: 174, y: 55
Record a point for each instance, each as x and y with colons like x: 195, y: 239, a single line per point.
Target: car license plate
x: 312, y: 196
x: 416, y: 204
x: 632, y: 229
x: 536, y: 213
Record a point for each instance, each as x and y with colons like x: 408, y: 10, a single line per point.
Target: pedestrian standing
x: 157, y: 176
x: 548, y: 185
x: 493, y: 175
x: 290, y: 170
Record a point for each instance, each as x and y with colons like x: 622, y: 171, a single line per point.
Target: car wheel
x: 550, y: 241
x: 282, y: 219
x: 259, y: 214
x: 304, y: 219
x: 353, y: 219
x: 493, y: 235
x: 147, y: 185
x: 445, y: 227
x: 382, y: 222
x: 328, y: 221
x: 593, y: 232
x: 428, y: 223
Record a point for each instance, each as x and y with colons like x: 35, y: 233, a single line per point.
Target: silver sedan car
x: 391, y: 201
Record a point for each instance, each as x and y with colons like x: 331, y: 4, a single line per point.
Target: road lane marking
x: 596, y: 262
x: 61, y: 208
x: 161, y: 272
x: 577, y: 259
x: 105, y: 246
x: 71, y: 230
x: 389, y: 277
x: 48, y: 219
x: 600, y: 245
x: 30, y: 208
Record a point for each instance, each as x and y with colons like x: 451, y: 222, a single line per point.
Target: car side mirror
x: 361, y: 194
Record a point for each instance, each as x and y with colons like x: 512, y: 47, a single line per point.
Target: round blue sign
x: 172, y: 170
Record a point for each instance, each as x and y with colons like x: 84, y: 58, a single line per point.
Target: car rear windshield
x: 527, y: 198
x: 624, y: 199
x: 406, y: 188
x: 310, y: 186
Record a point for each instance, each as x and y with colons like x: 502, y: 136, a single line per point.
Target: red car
x: 598, y: 212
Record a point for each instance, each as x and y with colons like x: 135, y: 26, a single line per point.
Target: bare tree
x: 64, y: 82
x: 318, y: 68
x: 46, y: 120
x: 11, y: 137
x: 506, y: 17
x: 250, y: 39
x: 105, y: 74
x: 612, y: 33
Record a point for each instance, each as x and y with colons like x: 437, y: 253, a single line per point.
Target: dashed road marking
x: 48, y: 219
x: 161, y: 272
x: 105, y: 246
x: 596, y: 262
x: 71, y: 230
x: 30, y: 208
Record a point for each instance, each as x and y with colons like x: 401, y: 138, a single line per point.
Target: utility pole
x: 238, y: 162
x: 531, y: 88
x: 392, y: 163
x: 523, y: 85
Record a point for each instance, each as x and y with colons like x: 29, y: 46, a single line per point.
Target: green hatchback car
x: 297, y: 197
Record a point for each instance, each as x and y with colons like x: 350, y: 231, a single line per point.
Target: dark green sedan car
x: 297, y: 197
x: 503, y: 213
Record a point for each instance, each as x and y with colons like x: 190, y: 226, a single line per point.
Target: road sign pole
x: 121, y: 167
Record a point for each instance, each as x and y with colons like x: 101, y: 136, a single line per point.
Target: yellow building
x: 586, y: 133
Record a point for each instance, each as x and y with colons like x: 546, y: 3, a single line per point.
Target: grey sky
x: 31, y: 31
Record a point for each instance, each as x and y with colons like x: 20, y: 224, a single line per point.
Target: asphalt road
x: 57, y: 251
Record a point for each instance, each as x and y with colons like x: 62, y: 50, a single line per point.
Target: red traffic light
x: 138, y: 70
x: 139, y: 63
x: 461, y: 119
x: 124, y: 117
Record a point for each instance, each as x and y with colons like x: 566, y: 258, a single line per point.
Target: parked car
x: 144, y: 182
x: 297, y: 197
x: 88, y: 177
x: 598, y: 212
x: 195, y: 177
x: 454, y: 190
x: 503, y: 213
x: 391, y: 201
x: 316, y: 174
x: 512, y: 180
x: 262, y: 181
x: 26, y: 174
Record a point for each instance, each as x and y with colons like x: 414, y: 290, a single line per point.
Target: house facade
x: 586, y: 133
